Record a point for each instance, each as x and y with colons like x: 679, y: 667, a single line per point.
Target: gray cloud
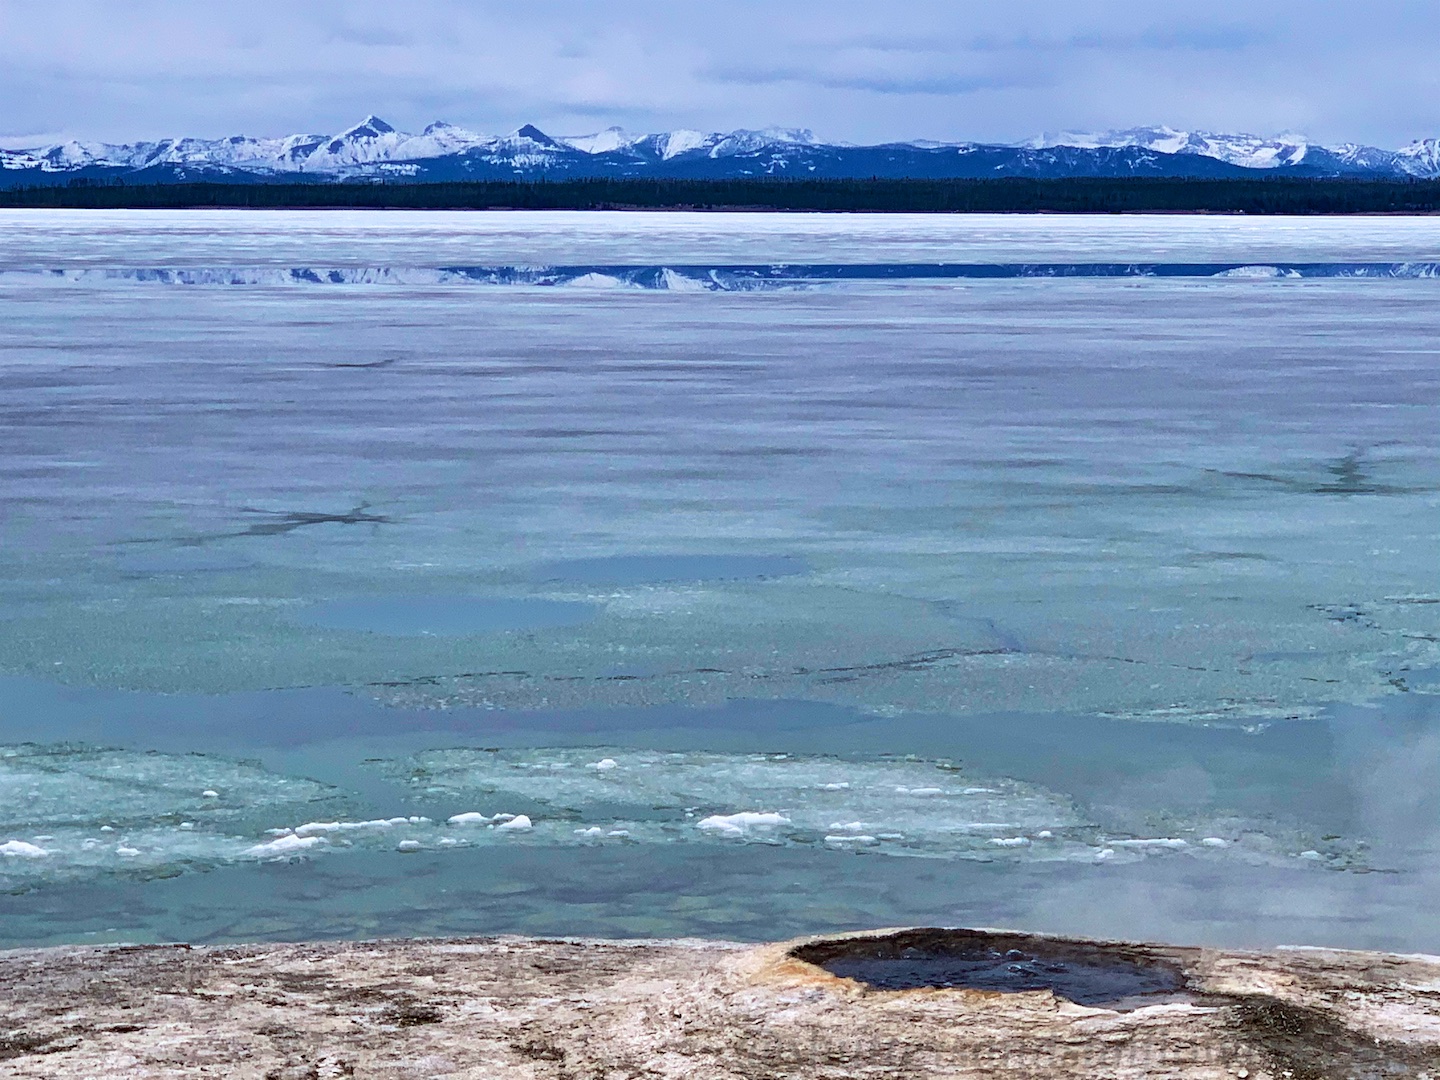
x: 849, y: 69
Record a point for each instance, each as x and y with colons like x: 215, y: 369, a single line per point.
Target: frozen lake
x: 735, y: 575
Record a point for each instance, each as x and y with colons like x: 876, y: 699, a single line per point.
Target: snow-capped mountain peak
x: 1246, y: 151
x: 1165, y: 140
x: 603, y: 142
x: 535, y: 135
x: 372, y: 127
x: 374, y: 149
x: 1420, y: 158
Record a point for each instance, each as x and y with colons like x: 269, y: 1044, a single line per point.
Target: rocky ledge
x: 907, y: 1003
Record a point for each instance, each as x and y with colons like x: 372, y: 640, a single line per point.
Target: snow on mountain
x: 603, y: 142
x: 370, y: 142
x: 674, y: 143
x: 1420, y: 158
x: 373, y: 149
x: 748, y: 142
x: 373, y: 141
x: 1246, y: 151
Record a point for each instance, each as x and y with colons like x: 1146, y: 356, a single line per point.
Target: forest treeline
x: 1277, y: 195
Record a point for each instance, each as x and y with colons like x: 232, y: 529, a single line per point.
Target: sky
x: 850, y: 70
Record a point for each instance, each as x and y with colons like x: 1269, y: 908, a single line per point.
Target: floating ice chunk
x: 593, y: 831
x: 284, y: 845
x: 1104, y: 853
x: 605, y: 764
x: 1214, y: 841
x: 318, y: 828
x: 741, y: 823
x: 1163, y: 843
x: 516, y: 824
x: 1010, y: 841
x: 126, y: 852
x: 447, y: 841
x: 848, y: 826
x: 209, y: 793
x: 852, y: 839
x: 408, y: 845
x: 470, y: 817
x: 1312, y: 856
x: 1045, y: 834
x: 835, y: 787
x: 618, y: 832
x: 19, y: 849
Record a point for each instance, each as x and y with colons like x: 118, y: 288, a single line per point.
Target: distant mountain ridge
x: 374, y: 150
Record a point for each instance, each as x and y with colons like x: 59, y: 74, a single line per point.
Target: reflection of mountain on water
x: 709, y: 278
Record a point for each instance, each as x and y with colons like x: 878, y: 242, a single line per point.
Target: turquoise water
x: 409, y: 602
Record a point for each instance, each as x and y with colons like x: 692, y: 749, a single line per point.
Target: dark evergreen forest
x: 1279, y: 195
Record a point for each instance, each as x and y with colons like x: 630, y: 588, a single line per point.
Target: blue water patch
x: 660, y: 569
x: 445, y: 616
x: 180, y: 561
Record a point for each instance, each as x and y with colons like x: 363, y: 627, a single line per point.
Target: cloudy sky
x: 857, y: 70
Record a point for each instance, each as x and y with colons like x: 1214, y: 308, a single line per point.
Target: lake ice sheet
x: 1150, y: 562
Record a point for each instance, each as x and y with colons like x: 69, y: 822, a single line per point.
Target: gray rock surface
x: 511, y: 1007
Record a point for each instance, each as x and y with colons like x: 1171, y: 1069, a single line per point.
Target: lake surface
x: 728, y: 575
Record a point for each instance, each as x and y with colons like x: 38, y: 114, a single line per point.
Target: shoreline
x: 532, y: 1007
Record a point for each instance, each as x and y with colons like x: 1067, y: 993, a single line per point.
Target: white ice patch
x: 20, y: 849
x: 470, y: 817
x: 105, y: 810
x: 741, y: 824
x: 284, y: 845
x: 897, y: 805
x: 1156, y: 844
x: 890, y: 805
x: 319, y: 828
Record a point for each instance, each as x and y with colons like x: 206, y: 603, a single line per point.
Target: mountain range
x: 373, y: 151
